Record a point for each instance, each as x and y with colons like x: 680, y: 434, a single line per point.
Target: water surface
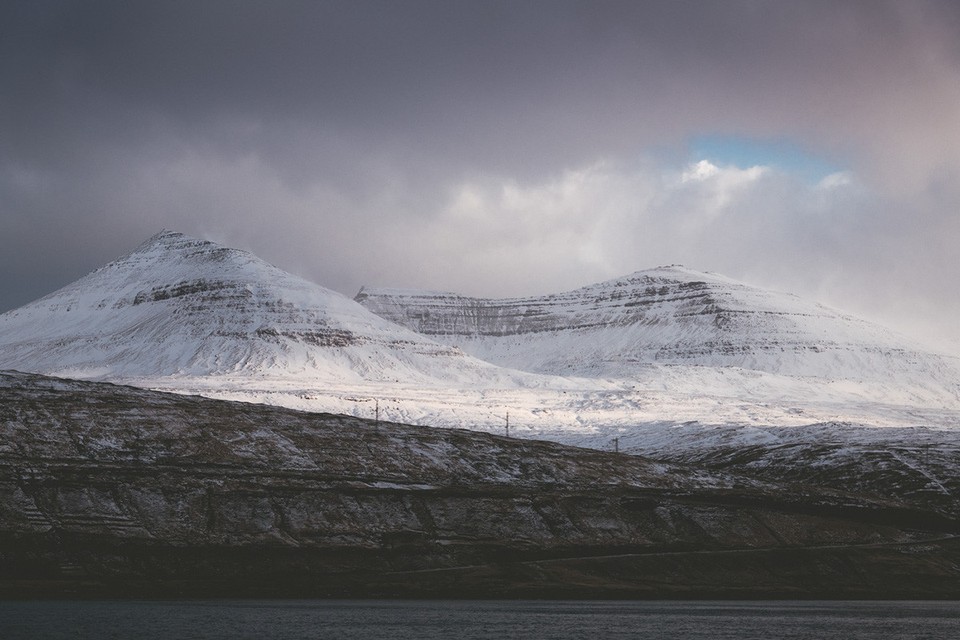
x: 474, y: 620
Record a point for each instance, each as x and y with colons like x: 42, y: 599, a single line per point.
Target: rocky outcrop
x: 108, y: 490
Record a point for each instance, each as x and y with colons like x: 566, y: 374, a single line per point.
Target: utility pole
x: 616, y: 444
x: 377, y: 411
x: 508, y: 424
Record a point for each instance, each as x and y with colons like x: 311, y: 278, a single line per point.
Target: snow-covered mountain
x: 187, y: 308
x: 663, y: 347
x: 669, y: 315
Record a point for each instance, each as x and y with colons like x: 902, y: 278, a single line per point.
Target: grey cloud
x: 460, y: 80
x: 331, y: 137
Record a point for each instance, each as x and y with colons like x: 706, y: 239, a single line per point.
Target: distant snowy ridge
x: 669, y: 315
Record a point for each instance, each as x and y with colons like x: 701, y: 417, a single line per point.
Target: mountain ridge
x: 667, y: 315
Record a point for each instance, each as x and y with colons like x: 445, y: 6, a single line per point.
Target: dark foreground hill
x: 114, y: 491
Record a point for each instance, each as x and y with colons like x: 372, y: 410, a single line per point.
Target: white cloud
x: 505, y: 237
x: 835, y: 180
x: 700, y: 171
x: 725, y: 178
x: 599, y: 221
x: 705, y: 190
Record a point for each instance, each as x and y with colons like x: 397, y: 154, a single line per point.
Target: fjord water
x: 476, y: 620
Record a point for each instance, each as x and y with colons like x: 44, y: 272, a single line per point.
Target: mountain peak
x: 163, y: 236
x: 168, y: 242
x: 164, y: 240
x: 179, y: 305
x: 670, y: 273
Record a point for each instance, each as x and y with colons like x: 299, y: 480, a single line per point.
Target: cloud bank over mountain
x: 491, y: 148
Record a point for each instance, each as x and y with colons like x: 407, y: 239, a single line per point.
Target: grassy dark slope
x: 113, y: 491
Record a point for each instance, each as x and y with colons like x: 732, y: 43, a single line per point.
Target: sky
x: 495, y: 148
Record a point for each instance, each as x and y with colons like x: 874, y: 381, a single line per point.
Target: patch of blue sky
x: 782, y: 155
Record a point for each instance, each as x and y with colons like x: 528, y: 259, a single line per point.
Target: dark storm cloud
x: 460, y: 78
x: 347, y: 140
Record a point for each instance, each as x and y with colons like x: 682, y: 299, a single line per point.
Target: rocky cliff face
x: 112, y: 490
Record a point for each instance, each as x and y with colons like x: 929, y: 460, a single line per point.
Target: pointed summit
x: 162, y: 241
x: 180, y: 306
x: 167, y: 244
x: 163, y: 236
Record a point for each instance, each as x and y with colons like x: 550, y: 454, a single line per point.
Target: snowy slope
x: 188, y: 308
x: 670, y: 315
x: 658, y: 348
